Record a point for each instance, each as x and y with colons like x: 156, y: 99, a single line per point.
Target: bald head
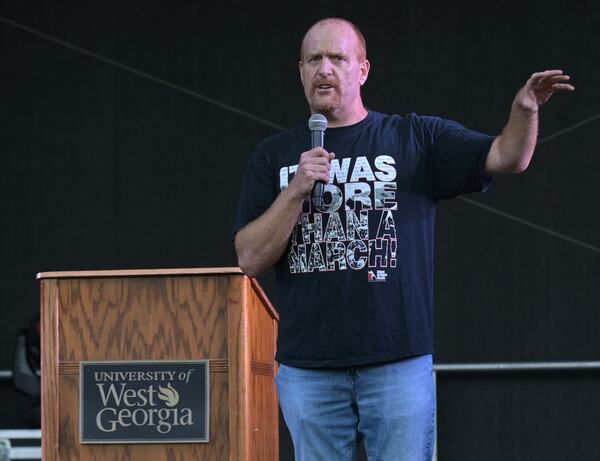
x: 361, y: 44
x: 333, y: 68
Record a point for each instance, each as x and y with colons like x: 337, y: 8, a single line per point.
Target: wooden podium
x: 178, y: 314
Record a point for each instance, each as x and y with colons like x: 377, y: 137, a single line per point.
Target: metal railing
x: 515, y: 366
x: 22, y: 452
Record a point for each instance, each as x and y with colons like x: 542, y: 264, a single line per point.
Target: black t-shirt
x: 355, y: 284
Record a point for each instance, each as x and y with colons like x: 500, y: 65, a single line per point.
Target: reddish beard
x: 325, y: 103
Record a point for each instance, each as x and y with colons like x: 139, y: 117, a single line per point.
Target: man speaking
x: 354, y: 271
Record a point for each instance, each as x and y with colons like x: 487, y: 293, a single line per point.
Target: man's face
x: 333, y: 68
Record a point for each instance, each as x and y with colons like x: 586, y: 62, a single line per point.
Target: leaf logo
x: 169, y: 395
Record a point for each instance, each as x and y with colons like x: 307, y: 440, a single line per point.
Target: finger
x: 313, y: 158
x: 547, y: 73
x: 331, y: 156
x: 308, y: 161
x: 317, y: 152
x: 539, y: 77
x: 319, y: 174
x: 319, y: 169
x: 558, y: 78
x: 563, y: 87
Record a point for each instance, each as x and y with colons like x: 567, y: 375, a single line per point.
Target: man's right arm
x: 260, y: 244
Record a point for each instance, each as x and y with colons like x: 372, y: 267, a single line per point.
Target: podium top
x: 139, y: 272
x: 162, y: 273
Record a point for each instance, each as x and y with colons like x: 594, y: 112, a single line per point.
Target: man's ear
x: 365, y: 66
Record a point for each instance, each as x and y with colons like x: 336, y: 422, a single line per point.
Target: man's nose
x: 325, y: 67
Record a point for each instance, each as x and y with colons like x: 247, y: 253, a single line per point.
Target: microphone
x: 317, y: 124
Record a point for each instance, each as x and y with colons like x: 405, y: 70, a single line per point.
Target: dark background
x: 125, y: 128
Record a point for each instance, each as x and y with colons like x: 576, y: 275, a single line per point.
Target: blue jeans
x: 390, y: 406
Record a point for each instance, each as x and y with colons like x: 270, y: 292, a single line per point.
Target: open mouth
x: 324, y: 86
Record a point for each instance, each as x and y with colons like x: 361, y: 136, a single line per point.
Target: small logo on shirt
x: 380, y: 276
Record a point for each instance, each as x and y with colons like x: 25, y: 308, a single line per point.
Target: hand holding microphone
x: 313, y: 168
x: 317, y: 124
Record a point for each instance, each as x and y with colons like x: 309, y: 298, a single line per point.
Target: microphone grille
x: 317, y: 122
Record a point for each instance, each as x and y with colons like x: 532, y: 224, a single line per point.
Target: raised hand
x: 539, y: 88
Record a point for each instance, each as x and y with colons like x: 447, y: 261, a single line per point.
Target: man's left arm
x: 512, y: 150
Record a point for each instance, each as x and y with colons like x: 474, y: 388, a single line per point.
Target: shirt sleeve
x: 258, y: 192
x: 459, y: 156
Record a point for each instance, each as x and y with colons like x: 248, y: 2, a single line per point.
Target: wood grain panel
x: 263, y: 418
x: 137, y: 318
x: 49, y: 368
x: 221, y: 316
x: 237, y: 327
x: 140, y: 273
x: 158, y: 318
